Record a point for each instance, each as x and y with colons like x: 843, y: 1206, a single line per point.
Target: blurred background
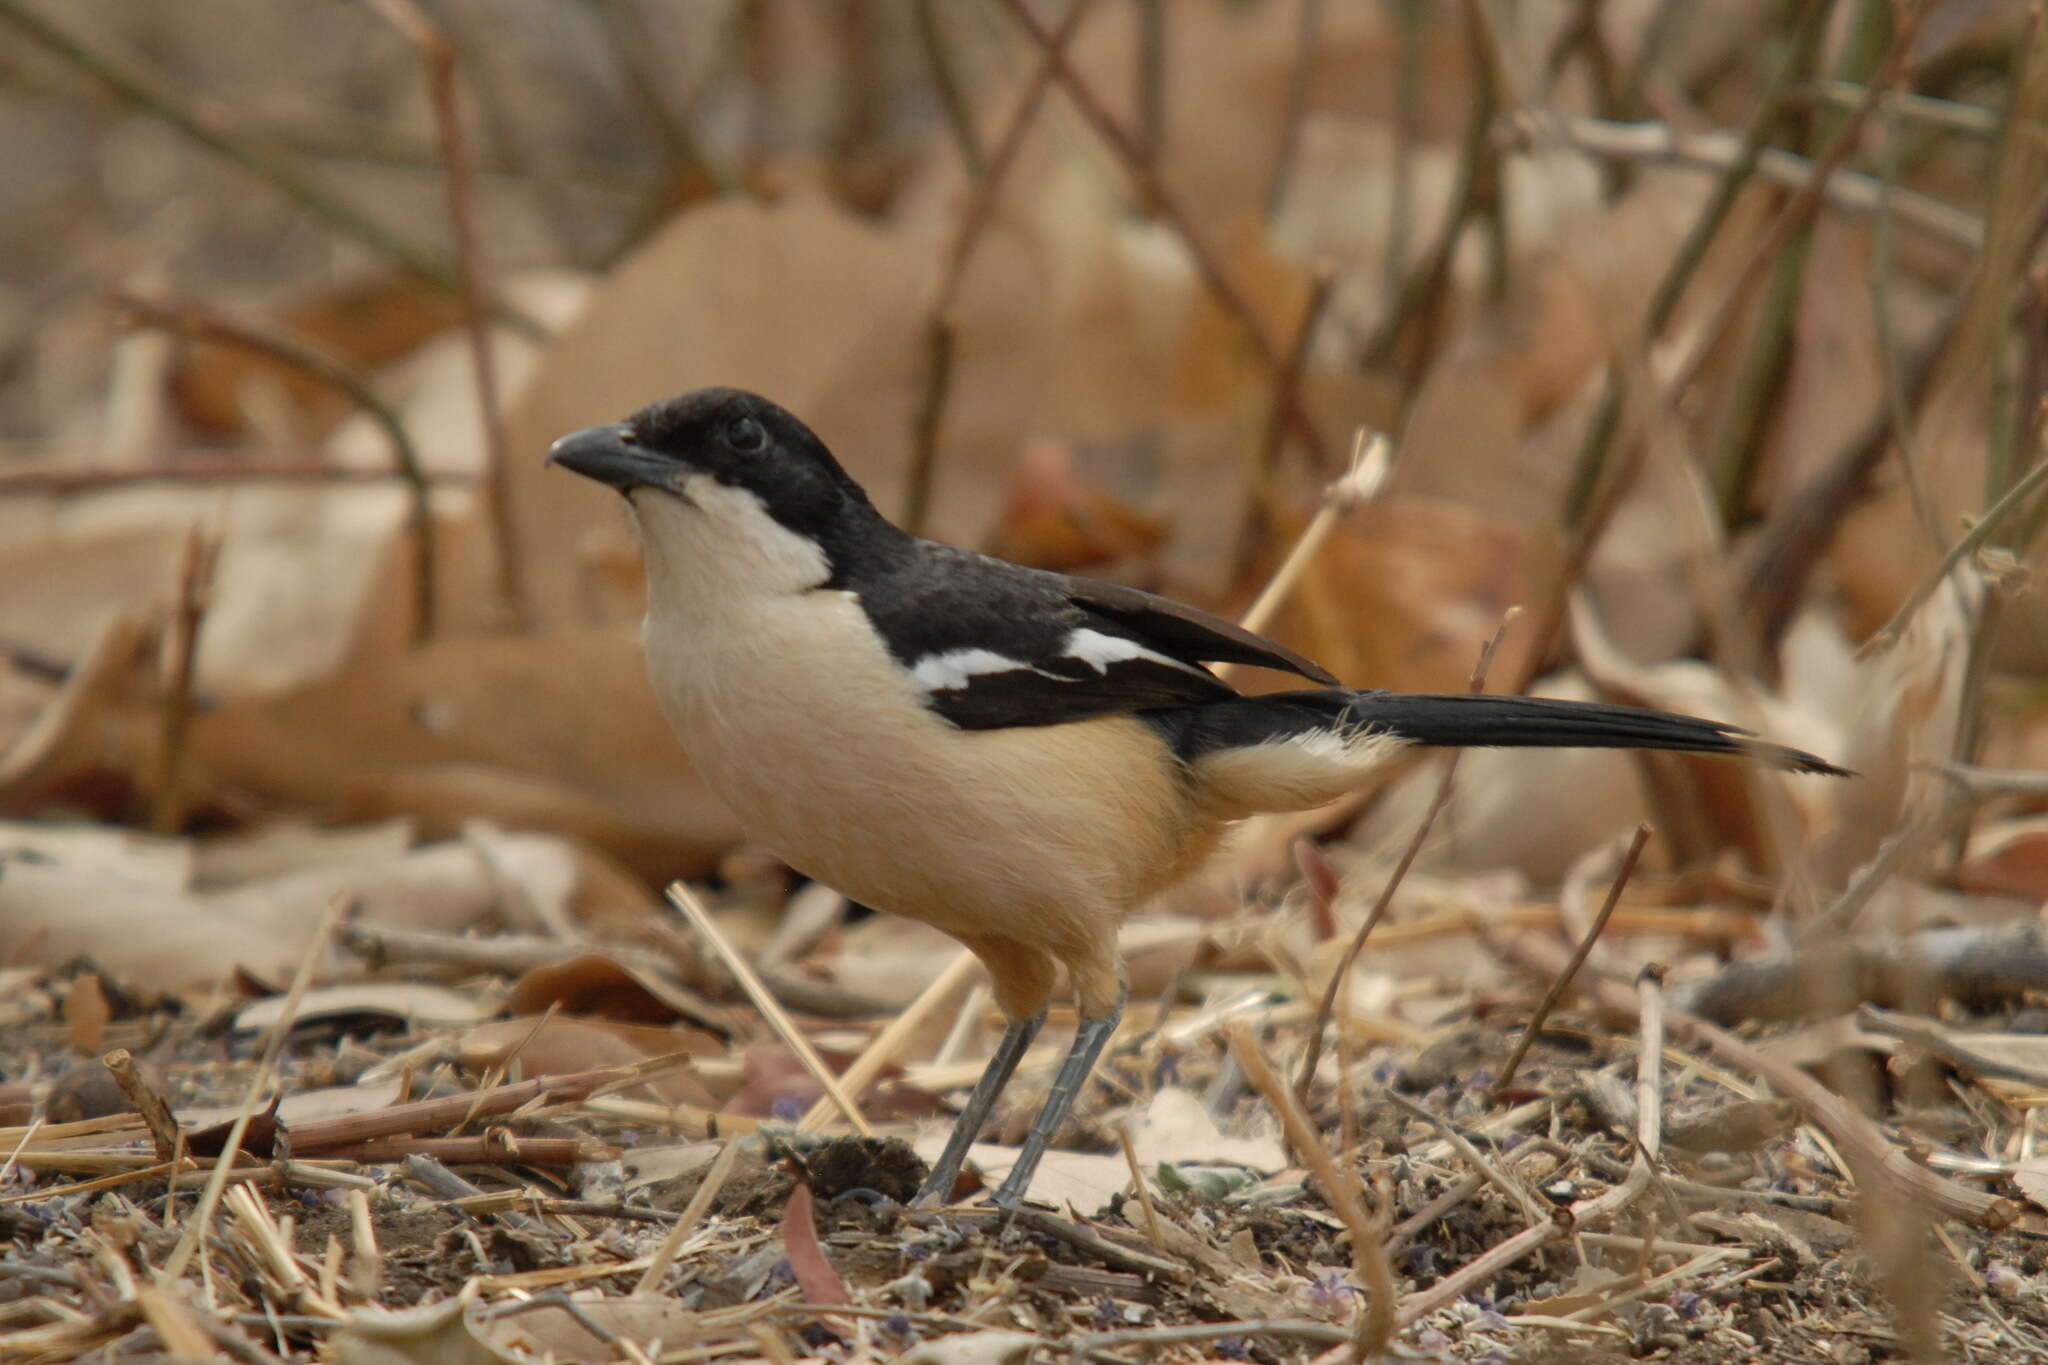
x: 1710, y: 345
x: 1704, y: 334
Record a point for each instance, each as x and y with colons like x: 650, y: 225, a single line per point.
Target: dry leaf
x: 1177, y: 1127
x: 815, y: 1276
x: 556, y: 732
x: 547, y: 1046
x: 2009, y: 858
x: 597, y: 983
x: 411, y: 1002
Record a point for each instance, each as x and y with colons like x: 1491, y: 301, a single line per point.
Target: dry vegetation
x: 1713, y: 336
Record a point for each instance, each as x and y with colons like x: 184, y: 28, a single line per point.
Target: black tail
x: 1477, y: 720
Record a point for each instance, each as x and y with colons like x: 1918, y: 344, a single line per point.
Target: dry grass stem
x: 693, y: 1214
x: 1372, y: 456
x: 1139, y: 1184
x: 181, y: 656
x: 1327, y: 1006
x: 439, y: 56
x: 888, y: 1045
x: 149, y: 1104
x: 262, y: 1080
x: 785, y: 1028
x: 1342, y: 1188
x: 191, y: 319
x: 1563, y: 981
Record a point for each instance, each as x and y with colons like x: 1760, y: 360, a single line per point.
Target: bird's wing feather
x: 992, y: 645
x: 1190, y: 633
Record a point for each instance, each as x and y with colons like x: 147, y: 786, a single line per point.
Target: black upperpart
x: 743, y: 441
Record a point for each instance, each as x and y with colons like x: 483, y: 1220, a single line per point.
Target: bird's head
x: 726, y: 466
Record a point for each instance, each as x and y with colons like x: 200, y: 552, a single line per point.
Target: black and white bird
x: 1018, y: 758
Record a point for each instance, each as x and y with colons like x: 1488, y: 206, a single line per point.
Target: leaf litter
x: 402, y: 946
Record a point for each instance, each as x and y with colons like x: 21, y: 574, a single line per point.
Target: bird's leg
x: 946, y: 1170
x: 1089, y: 1041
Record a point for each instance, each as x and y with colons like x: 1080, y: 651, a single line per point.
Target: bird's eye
x: 744, y: 433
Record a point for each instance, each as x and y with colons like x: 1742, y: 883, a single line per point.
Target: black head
x: 740, y: 439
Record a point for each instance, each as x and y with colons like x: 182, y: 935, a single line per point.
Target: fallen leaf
x: 446, y: 1333
x: 815, y: 1276
x: 557, y: 732
x: 598, y: 984
x: 548, y: 1046
x: 412, y: 1002
x: 365, y: 323
x: 2009, y: 858
x: 1176, y: 1127
x: 1084, y: 1181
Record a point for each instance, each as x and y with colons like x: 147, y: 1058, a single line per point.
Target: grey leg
x: 946, y: 1170
x: 1089, y: 1041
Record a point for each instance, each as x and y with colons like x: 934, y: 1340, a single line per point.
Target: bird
x: 1016, y: 757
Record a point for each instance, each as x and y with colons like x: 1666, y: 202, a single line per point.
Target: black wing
x: 994, y: 645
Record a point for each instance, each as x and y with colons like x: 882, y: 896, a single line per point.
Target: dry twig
x: 785, y: 1028
x: 1563, y: 980
x: 438, y: 54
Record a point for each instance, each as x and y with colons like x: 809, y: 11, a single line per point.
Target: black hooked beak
x: 610, y: 455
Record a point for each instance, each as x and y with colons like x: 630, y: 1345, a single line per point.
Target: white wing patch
x: 957, y: 668
x: 1099, y: 650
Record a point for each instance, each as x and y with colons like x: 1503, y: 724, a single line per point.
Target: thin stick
x: 178, y: 1329
x: 27, y: 1135
x: 1368, y: 1244
x: 967, y: 235
x: 684, y: 900
x: 181, y: 654
x: 975, y: 218
x: 1589, y: 476
x: 1532, y: 1208
x: 199, y: 127
x: 1372, y: 456
x: 1322, y: 286
x: 1327, y: 1007
x: 1563, y: 980
x: 931, y: 414
x: 1845, y: 191
x: 155, y: 1112
x: 2015, y: 498
x: 192, y: 319
x: 938, y: 59
x: 1130, y: 1149
x: 1308, y: 26
x: 365, y: 1262
x: 889, y: 1043
x: 209, y: 1198
x: 1805, y: 202
x: 1482, y: 1268
x: 438, y: 54
x: 693, y: 1214
x: 1153, y: 190
x: 1871, y: 1153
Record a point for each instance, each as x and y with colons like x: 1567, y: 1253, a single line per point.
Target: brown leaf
x: 814, y: 1274
x: 2009, y: 861
x: 556, y: 732
x: 1056, y: 520
x: 599, y: 984
x: 547, y: 1046
x: 365, y: 324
